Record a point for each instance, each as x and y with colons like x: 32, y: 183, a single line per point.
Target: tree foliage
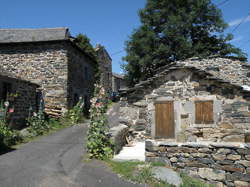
x: 176, y: 30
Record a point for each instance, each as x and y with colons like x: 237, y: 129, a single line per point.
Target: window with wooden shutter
x: 204, y: 112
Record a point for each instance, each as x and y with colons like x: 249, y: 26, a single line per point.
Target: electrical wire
x: 242, y: 21
x: 222, y: 3
x: 118, y: 52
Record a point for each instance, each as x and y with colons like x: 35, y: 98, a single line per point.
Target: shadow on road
x: 5, y: 149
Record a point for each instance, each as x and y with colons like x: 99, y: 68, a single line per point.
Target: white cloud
x: 237, y: 21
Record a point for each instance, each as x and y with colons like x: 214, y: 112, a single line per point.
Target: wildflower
x: 102, y: 91
x: 6, y: 103
x: 11, y: 110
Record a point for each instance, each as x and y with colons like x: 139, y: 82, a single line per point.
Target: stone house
x: 49, y: 58
x: 195, y: 116
x: 21, y: 96
x: 105, y: 65
x: 118, y: 82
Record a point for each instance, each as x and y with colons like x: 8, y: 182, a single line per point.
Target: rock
x: 223, y: 151
x: 219, y: 157
x: 206, y: 161
x: 244, y: 151
x: 167, y: 175
x: 118, y: 134
x: 233, y: 157
x: 204, y: 150
x: 129, y: 113
x: 225, y: 145
x: 237, y: 176
x: 141, y: 103
x: 140, y: 125
x: 248, y: 170
x: 150, y: 154
x: 173, y: 159
x: 231, y: 168
x: 219, y: 184
x: 241, y: 184
x: 234, y: 138
x: 210, y: 174
x: 247, y: 137
x: 226, y: 126
x: 247, y: 157
x: 124, y: 121
x: 225, y: 162
x: 199, y: 155
x: 196, y: 164
x: 244, y: 163
x: 150, y: 147
x: 159, y: 160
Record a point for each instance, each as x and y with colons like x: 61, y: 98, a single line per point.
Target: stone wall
x: 232, y: 70
x: 80, y: 77
x: 49, y: 64
x: 221, y: 163
x: 105, y: 65
x: 22, y: 98
x: 184, y: 87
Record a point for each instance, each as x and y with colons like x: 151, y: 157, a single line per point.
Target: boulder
x: 234, y: 138
x: 210, y: 174
x: 241, y: 184
x: 119, y: 134
x: 167, y: 175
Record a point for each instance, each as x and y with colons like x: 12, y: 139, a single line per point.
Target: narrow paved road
x: 56, y: 161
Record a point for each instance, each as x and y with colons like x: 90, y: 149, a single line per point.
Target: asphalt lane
x: 56, y: 161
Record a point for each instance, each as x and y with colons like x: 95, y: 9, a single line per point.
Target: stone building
x: 21, y: 96
x: 105, y: 65
x: 118, y: 82
x: 195, y: 115
x: 49, y: 58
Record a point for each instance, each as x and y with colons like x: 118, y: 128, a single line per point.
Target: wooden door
x: 204, y: 112
x: 164, y: 118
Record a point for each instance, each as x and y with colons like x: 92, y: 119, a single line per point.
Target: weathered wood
x: 204, y: 112
x: 164, y: 115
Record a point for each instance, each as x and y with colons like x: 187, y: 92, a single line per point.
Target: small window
x: 204, y: 112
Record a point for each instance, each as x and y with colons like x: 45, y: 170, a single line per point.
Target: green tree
x: 83, y: 42
x: 176, y: 30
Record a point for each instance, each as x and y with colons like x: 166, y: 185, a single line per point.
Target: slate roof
x: 229, y: 71
x: 120, y: 76
x: 33, y: 35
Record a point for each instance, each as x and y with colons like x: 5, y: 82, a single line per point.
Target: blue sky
x: 108, y: 22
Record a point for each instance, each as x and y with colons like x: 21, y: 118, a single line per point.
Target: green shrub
x: 37, y: 124
x: 99, y: 144
x: 75, y: 115
x: 8, y: 137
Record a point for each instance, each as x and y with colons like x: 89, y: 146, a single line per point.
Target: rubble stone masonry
x: 58, y: 67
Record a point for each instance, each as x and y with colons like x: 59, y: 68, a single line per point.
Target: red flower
x: 11, y: 110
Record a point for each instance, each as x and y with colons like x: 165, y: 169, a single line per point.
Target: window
x: 204, y: 112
